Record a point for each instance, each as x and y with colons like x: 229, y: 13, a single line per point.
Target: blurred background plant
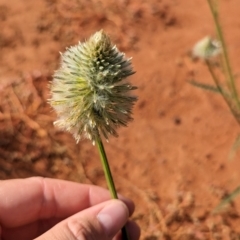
x: 214, y: 53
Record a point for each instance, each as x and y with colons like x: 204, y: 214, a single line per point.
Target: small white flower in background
x: 206, y: 48
x: 90, y: 92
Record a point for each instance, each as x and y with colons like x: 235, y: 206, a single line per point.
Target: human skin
x: 42, y: 208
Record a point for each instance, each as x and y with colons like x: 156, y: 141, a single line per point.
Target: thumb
x: 100, y: 222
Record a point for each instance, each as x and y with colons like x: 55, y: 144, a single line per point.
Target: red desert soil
x: 172, y: 160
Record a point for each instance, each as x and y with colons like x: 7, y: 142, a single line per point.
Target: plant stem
x: 109, y: 178
x: 218, y: 85
x: 225, y: 54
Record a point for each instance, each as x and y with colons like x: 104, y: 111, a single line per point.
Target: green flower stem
x: 218, y: 85
x: 106, y: 168
x: 109, y: 178
x: 225, y: 54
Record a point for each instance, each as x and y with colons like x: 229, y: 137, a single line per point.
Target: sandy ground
x: 172, y: 160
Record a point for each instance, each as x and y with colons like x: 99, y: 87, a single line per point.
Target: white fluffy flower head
x: 90, y: 91
x: 206, y: 48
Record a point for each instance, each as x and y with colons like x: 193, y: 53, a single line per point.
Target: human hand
x: 48, y: 209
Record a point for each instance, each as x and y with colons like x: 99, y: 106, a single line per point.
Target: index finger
x: 23, y: 201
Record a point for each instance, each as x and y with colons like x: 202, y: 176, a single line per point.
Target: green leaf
x: 204, y: 86
x: 227, y: 200
x: 234, y: 148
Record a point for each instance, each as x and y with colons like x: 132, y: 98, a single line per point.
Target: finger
x: 133, y: 231
x: 41, y: 198
x: 101, y: 222
x: 23, y: 233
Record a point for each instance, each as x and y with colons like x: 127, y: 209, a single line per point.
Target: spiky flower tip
x: 206, y: 48
x: 90, y: 92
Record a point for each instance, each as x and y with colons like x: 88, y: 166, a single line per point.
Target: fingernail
x: 113, y: 217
